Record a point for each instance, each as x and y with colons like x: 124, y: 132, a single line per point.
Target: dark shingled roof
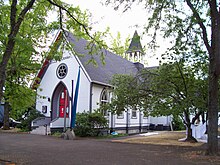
x: 135, y: 44
x: 114, y: 64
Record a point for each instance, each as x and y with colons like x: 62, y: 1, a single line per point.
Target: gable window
x: 62, y: 71
x: 104, y: 100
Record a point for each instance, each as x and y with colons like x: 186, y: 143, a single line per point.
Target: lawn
x: 162, y: 138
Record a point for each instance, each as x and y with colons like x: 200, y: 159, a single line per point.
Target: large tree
x: 171, y: 89
x: 187, y: 23
x: 177, y: 90
x: 24, y: 31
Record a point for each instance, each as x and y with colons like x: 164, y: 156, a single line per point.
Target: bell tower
x: 135, y: 51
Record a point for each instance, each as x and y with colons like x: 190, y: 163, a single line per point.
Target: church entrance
x: 63, y: 104
x: 60, y: 102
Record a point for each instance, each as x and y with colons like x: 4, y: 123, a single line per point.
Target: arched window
x: 104, y: 100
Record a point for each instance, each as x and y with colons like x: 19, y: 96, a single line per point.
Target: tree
x: 175, y: 89
x: 23, y: 31
x: 171, y: 89
x: 189, y: 22
x: 126, y: 94
x: 118, y: 47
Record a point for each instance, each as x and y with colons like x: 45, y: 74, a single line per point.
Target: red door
x: 63, y: 104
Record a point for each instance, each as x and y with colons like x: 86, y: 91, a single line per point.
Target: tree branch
x: 22, y: 14
x: 81, y: 24
x: 183, y: 78
x: 11, y: 42
x: 201, y: 24
x: 13, y: 14
x: 61, y: 25
x: 213, y: 7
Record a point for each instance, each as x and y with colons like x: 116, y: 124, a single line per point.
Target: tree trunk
x: 6, y: 116
x: 214, y: 72
x: 14, y: 28
x: 189, y: 137
x: 213, y: 110
x: 3, y: 64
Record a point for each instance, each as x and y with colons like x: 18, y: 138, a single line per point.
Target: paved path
x: 46, y: 150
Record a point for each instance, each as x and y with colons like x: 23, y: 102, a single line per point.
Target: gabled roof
x: 114, y: 64
x: 135, y: 44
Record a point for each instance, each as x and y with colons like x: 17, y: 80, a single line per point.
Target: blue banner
x: 74, y: 102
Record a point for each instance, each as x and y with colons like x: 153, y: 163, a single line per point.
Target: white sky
x: 126, y: 23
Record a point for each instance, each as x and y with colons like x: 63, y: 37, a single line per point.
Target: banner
x: 74, y: 102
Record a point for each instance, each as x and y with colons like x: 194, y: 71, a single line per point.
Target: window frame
x: 132, y: 116
x: 104, y: 99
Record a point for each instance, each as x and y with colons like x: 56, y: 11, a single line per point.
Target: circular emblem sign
x: 62, y: 71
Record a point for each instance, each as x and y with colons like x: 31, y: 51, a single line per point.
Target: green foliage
x: 191, y: 26
x: 30, y: 39
x: 28, y: 117
x: 177, y: 90
x: 119, y: 47
x: 126, y: 94
x: 177, y: 123
x: 57, y: 134
x: 109, y: 136
x: 130, y: 92
x: 172, y: 89
x: 89, y: 124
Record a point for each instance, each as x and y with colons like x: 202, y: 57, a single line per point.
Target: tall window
x: 104, y: 100
x: 134, y: 113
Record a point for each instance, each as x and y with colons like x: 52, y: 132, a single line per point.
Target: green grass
x: 56, y: 134
x: 109, y: 136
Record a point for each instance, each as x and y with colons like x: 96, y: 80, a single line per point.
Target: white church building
x: 73, y: 84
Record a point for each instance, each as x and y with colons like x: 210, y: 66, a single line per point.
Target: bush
x: 177, y: 123
x: 30, y: 115
x: 89, y: 124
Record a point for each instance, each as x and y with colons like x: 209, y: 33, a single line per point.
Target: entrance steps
x: 41, y: 130
x: 41, y: 126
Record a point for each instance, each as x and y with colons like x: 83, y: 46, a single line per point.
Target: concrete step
x: 41, y: 130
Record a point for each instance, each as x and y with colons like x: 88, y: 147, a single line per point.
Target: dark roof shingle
x: 114, y: 64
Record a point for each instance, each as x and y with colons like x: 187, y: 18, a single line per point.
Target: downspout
x: 90, y: 98
x: 140, y: 121
x: 127, y: 118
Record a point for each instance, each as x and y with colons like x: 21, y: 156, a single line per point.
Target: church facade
x: 72, y: 84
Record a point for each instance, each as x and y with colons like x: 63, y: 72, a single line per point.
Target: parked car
x: 12, y: 122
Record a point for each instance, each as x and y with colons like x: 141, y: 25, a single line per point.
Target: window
x: 62, y: 71
x: 134, y: 113
x: 44, y: 109
x: 104, y: 100
x: 62, y: 95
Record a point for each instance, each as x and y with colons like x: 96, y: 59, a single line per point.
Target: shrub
x: 177, y: 123
x: 30, y: 115
x: 89, y: 124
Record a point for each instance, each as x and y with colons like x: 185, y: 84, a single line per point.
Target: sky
x: 124, y: 22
